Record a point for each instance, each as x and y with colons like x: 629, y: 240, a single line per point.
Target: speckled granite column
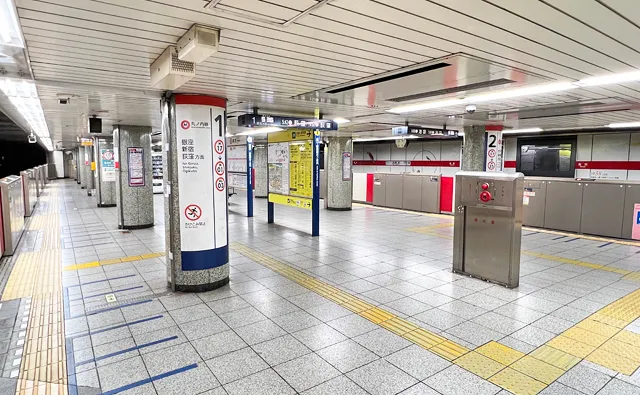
x: 91, y: 174
x: 473, y: 148
x: 339, y: 191
x: 105, y: 169
x: 134, y: 186
x: 195, y: 269
x: 260, y: 166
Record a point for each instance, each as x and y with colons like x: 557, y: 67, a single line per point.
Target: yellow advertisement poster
x: 300, y: 169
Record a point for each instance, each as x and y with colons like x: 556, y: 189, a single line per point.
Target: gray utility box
x: 488, y: 226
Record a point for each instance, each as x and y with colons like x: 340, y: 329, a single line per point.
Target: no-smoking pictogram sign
x: 220, y: 184
x: 219, y: 147
x: 219, y: 168
x: 193, y: 212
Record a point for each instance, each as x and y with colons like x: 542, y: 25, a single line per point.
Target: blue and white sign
x: 202, y: 179
x: 399, y: 130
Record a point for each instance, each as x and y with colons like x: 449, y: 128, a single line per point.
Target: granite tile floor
x: 265, y: 334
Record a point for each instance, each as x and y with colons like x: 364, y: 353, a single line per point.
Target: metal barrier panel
x: 379, y: 189
x: 563, y: 209
x: 393, y: 194
x: 412, y: 192
x: 534, y: 200
x: 12, y: 205
x: 602, y: 209
x: 431, y: 194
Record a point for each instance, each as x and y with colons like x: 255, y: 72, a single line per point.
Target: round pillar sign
x: 220, y: 184
x: 219, y: 168
x: 219, y: 147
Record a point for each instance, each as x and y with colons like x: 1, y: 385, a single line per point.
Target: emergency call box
x: 488, y: 226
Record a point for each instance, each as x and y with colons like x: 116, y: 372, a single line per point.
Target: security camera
x: 63, y: 101
x: 32, y: 138
x: 471, y: 108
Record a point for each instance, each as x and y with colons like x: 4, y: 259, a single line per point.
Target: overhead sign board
x: 426, y: 132
x: 255, y: 120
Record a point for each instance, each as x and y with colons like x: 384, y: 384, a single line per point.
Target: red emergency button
x: 485, y: 186
x: 485, y: 196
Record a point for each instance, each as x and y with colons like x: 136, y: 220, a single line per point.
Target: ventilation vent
x: 181, y: 66
x: 461, y: 88
x: 391, y: 77
x: 566, y: 110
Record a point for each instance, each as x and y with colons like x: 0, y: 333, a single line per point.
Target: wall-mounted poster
x: 136, y: 166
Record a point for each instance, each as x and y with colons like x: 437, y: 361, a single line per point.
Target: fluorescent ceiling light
x: 610, y: 79
x: 24, y: 97
x: 46, y: 141
x: 520, y: 92
x: 521, y: 131
x: 486, y: 97
x: 340, y: 121
x: 259, y: 131
x: 411, y: 136
x: 9, y: 28
x: 624, y: 125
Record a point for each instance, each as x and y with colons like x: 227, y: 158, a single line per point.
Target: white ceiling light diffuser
x: 259, y: 131
x: 409, y: 137
x: 24, y: 97
x: 9, y: 28
x: 340, y: 121
x: 491, y: 96
x: 624, y: 125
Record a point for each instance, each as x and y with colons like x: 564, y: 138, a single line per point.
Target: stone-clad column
x: 105, y: 171
x: 134, y: 185
x: 260, y: 166
x: 473, y: 148
x: 79, y: 166
x: 338, y: 172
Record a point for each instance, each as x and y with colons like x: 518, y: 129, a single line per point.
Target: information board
x: 202, y: 176
x: 136, y: 166
x: 290, y: 165
x: 255, y: 120
x: 107, y: 165
x: 346, y: 166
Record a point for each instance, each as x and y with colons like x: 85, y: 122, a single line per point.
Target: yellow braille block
x: 537, y: 369
x: 611, y: 321
x: 449, y: 350
x: 555, y: 357
x: 516, y: 382
x: 598, y: 327
x: 585, y: 336
x: 424, y: 338
x: 613, y: 362
x: 111, y: 261
x: 339, y: 297
x: 479, y: 364
x: 500, y: 353
x: 571, y: 346
x: 131, y: 258
x: 398, y: 326
x: 357, y: 306
x: 628, y: 337
x: 622, y: 349
x: 376, y: 315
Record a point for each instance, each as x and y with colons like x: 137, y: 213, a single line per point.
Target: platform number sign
x: 493, y: 159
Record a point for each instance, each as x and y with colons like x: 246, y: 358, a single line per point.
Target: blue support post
x: 315, y: 205
x: 249, y: 176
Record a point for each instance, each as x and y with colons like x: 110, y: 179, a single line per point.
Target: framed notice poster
x: 346, y: 166
x: 108, y: 165
x: 136, y: 166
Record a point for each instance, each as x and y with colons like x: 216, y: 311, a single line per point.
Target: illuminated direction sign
x: 254, y: 120
x: 427, y: 132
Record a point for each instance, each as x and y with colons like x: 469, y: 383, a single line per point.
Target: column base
x: 339, y: 208
x: 107, y: 205
x: 201, y: 287
x: 134, y: 227
x: 260, y: 197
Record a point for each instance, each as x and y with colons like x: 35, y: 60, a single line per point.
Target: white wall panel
x: 360, y: 187
x: 397, y: 153
x: 358, y: 152
x: 450, y: 150
x: 383, y: 152
x: 610, y: 147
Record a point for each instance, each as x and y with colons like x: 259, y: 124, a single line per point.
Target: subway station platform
x: 369, y: 307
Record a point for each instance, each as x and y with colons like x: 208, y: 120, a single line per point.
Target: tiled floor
x: 265, y: 333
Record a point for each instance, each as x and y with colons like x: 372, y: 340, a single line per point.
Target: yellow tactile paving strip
x: 428, y: 340
x: 132, y: 258
x: 38, y: 275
